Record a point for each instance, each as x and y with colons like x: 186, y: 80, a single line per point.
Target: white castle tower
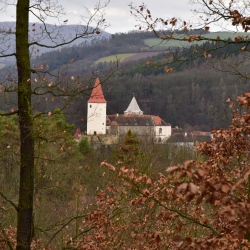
x: 96, y: 121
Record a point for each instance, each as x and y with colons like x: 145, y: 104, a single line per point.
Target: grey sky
x: 117, y: 12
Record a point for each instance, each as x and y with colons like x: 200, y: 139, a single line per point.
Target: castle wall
x: 138, y: 130
x: 107, y: 139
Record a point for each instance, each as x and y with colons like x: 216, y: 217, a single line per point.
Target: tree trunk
x: 26, y: 189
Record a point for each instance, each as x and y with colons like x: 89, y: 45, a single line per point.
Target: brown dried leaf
x: 192, y: 188
x: 205, y: 53
x: 169, y: 70
x: 232, y: 105
x: 170, y: 170
x: 243, y: 48
x: 201, y: 172
x: 188, y: 239
x: 225, y: 188
x: 199, y: 200
x: 187, y: 163
x: 110, y: 166
x: 182, y: 187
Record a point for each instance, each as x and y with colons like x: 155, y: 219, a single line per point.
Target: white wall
x: 96, y: 121
x: 164, y: 134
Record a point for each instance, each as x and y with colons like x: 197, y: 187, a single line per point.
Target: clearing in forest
x: 156, y: 42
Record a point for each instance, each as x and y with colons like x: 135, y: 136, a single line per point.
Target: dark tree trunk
x: 25, y: 203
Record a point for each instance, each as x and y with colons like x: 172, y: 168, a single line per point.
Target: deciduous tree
x: 26, y: 87
x: 227, y: 15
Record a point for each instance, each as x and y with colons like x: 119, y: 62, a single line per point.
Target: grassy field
x: 1, y: 65
x: 114, y: 58
x: 172, y: 43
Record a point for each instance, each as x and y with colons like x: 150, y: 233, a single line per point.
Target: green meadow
x: 113, y: 58
x: 152, y: 42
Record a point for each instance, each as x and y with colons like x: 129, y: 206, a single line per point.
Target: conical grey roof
x: 133, y: 108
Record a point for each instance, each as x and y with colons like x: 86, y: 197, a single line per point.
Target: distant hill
x: 191, y: 96
x: 156, y: 43
x: 55, y: 35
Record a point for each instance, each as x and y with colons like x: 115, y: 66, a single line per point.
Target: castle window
x: 90, y: 106
x: 160, y: 131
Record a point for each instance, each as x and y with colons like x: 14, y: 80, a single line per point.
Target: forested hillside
x: 192, y: 96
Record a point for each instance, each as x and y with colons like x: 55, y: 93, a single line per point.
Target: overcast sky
x: 117, y: 12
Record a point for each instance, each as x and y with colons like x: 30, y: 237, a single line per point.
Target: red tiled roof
x: 201, y: 133
x: 159, y: 122
x: 77, y: 133
x: 97, y: 94
x: 139, y: 120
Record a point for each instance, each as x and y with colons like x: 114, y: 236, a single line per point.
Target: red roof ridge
x: 77, y: 133
x: 97, y: 95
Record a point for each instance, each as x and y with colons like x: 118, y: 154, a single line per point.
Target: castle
x: 99, y: 123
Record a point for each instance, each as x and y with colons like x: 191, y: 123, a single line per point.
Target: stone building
x: 99, y: 123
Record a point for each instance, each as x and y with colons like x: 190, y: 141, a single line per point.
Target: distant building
x: 97, y: 105
x: 98, y: 123
x: 182, y: 138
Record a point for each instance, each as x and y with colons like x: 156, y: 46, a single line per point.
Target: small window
x: 103, y: 123
x: 90, y: 106
x: 160, y: 131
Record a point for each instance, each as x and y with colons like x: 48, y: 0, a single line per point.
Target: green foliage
x: 60, y: 121
x: 129, y: 152
x: 151, y: 158
x: 84, y: 146
x: 9, y: 162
